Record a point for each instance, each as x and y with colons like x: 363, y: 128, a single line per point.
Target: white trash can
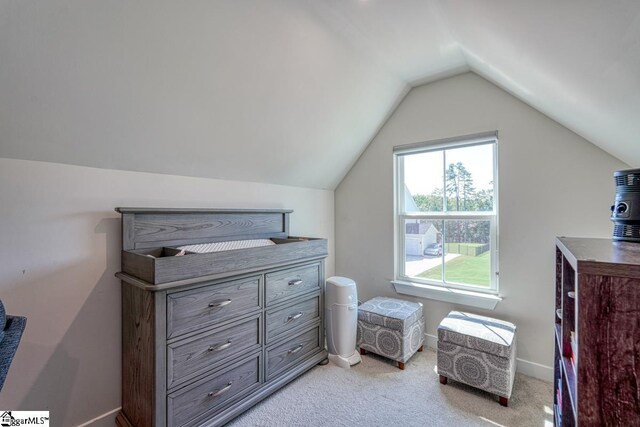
x: 341, y: 321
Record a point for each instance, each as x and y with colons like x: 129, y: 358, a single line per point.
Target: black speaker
x: 625, y: 212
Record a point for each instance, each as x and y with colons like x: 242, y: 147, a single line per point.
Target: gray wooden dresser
x: 206, y: 336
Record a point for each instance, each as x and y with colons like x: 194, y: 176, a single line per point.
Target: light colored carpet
x: 376, y: 393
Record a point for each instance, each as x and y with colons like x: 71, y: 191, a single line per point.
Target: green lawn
x: 473, y: 270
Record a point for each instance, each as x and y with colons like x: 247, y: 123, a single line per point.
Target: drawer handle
x: 571, y: 294
x: 222, y: 391
x: 295, y: 282
x: 220, y: 347
x: 220, y: 304
x: 294, y: 317
x: 296, y: 349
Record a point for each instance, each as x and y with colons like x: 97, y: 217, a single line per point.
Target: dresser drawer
x: 187, y: 358
x: 287, y: 318
x: 202, y: 307
x: 288, y: 283
x: 210, y: 394
x: 285, y: 355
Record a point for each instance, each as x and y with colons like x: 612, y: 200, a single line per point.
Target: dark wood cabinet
x: 597, y: 333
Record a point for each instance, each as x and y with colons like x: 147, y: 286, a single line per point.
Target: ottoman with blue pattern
x: 478, y: 351
x: 390, y: 327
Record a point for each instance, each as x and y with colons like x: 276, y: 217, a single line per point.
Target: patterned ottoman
x: 478, y: 351
x: 390, y: 327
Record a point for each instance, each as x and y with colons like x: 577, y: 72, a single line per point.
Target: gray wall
x: 60, y: 249
x: 552, y: 182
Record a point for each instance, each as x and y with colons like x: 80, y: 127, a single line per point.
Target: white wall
x: 552, y: 182
x: 60, y: 248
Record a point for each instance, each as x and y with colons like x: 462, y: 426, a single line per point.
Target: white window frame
x: 427, y: 286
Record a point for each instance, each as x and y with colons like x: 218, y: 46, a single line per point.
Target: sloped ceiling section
x: 291, y: 91
x: 577, y: 61
x: 246, y: 90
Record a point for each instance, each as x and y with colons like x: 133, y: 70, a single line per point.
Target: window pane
x: 445, y: 244
x: 467, y: 245
x: 423, y: 182
x: 423, y: 248
x: 469, y: 178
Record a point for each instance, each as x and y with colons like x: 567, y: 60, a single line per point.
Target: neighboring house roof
x: 409, y: 203
x: 422, y: 227
x: 411, y: 206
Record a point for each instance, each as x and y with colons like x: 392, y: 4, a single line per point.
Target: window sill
x: 455, y: 296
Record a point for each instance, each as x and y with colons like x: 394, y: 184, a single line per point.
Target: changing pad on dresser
x: 204, y: 248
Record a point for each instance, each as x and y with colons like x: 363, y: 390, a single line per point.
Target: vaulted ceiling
x: 291, y: 91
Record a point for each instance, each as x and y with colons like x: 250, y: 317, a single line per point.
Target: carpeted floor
x: 376, y: 393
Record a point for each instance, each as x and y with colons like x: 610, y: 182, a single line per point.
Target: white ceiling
x: 577, y: 61
x: 291, y: 91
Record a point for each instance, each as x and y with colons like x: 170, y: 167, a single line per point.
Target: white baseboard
x: 535, y: 370
x: 431, y: 341
x: 107, y: 419
x: 526, y: 367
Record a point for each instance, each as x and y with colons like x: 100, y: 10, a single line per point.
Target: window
x: 446, y: 213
